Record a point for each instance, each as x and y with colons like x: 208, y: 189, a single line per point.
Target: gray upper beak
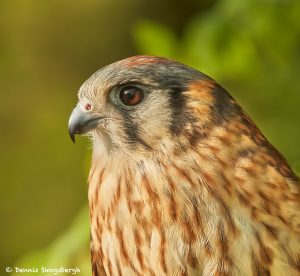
x: 81, y: 122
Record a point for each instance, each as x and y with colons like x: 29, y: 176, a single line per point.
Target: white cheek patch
x: 153, y: 118
x: 101, y: 145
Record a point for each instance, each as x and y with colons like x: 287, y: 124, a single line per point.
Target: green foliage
x: 154, y: 38
x: 69, y: 250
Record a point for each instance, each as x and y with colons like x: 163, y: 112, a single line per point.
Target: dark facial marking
x: 225, y: 105
x: 177, y: 102
x: 131, y: 130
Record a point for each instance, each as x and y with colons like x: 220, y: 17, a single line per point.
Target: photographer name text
x: 43, y: 269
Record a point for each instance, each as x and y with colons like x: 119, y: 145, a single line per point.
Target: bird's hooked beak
x: 81, y: 122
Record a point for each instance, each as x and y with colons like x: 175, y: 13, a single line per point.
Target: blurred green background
x: 48, y: 48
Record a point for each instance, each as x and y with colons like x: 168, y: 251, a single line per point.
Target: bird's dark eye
x: 131, y: 95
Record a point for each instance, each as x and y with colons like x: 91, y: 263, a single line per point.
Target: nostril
x: 88, y: 106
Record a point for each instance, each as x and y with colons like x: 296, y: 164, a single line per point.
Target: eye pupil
x: 131, y: 95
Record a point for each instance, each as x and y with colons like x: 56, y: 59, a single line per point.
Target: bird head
x: 143, y: 104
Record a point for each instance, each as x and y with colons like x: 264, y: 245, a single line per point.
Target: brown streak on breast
x: 222, y: 162
x: 215, y: 150
x: 128, y: 192
x: 220, y: 273
x: 294, y: 261
x: 168, y: 178
x: 172, y: 207
x: 250, y: 170
x: 227, y: 187
x: 162, y: 253
x: 109, y: 266
x: 231, y: 225
x: 257, y: 268
x: 183, y: 272
x: 207, y: 158
x: 225, y: 139
x: 197, y: 216
x: 208, y: 178
x: 244, y: 198
x: 146, y: 227
x: 98, y: 230
x: 123, y: 250
x: 185, y: 175
x: 241, y: 181
x: 192, y: 260
x: 139, y: 255
x: 254, y: 213
x: 155, y: 202
x: 91, y: 209
x: 97, y: 263
x: 156, y: 217
x: 224, y: 208
x: 116, y: 199
x: 188, y: 230
x: 283, y: 220
x: 266, y: 254
x: 152, y: 195
x: 271, y: 231
x: 118, y: 267
x: 225, y: 262
x: 138, y: 205
x: 227, y: 215
x: 151, y: 272
x: 99, y: 226
x: 100, y: 178
x: 208, y: 248
x: 266, y: 202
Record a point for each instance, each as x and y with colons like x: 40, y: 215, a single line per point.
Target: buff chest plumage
x: 182, y: 182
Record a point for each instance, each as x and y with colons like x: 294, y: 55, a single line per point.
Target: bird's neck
x: 197, y: 200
